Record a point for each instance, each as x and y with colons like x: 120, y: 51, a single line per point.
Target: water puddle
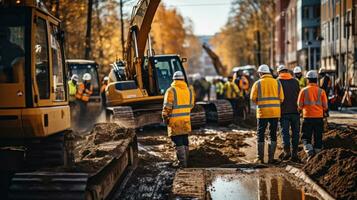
x: 250, y: 185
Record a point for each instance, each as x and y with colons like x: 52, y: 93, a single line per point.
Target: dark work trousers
x: 262, y: 125
x: 292, y: 121
x: 312, y: 127
x: 219, y: 96
x: 180, y: 140
x: 247, y: 100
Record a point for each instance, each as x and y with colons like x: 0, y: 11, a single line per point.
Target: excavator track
x: 68, y: 183
x: 129, y: 117
x: 198, y: 117
x: 48, y: 185
x: 218, y: 111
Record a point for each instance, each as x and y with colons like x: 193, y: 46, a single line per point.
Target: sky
x: 208, y: 16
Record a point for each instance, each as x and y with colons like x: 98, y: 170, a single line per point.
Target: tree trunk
x: 122, y: 28
x: 89, y: 30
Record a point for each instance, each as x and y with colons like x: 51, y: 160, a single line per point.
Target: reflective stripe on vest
x: 307, y: 100
x: 176, y: 106
x: 261, y: 98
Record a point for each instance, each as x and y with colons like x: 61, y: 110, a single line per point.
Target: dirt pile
x: 336, y: 170
x: 216, y: 148
x: 105, y: 142
x: 340, y: 137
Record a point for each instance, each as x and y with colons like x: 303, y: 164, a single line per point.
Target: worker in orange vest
x: 84, y: 91
x: 312, y: 102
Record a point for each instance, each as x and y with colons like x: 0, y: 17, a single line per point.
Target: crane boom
x: 140, y: 25
x: 220, y: 69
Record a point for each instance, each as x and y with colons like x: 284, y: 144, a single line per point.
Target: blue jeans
x: 292, y: 121
x: 262, y: 125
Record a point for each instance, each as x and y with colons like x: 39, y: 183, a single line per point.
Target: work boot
x: 187, y: 152
x: 294, y: 156
x: 181, y: 156
x: 271, y: 152
x: 285, y: 155
x: 260, y: 153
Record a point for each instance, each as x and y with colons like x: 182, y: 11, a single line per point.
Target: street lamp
x: 308, y: 44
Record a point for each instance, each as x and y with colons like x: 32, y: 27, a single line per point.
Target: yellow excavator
x: 137, y: 101
x: 35, y: 115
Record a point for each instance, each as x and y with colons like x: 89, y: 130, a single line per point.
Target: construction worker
x: 84, y: 90
x: 325, y: 81
x: 313, y: 103
x: 244, y: 86
x: 289, y: 114
x: 298, y: 75
x: 231, y: 92
x: 219, y: 88
x: 178, y: 102
x: 72, y: 87
x: 267, y: 94
x: 102, y: 91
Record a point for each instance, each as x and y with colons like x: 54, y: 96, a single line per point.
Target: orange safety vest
x: 312, y: 101
x: 244, y: 83
x: 83, y: 93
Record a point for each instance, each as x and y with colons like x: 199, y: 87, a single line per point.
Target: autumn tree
x: 246, y: 38
x: 172, y: 34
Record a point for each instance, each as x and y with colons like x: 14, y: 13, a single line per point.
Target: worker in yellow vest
x: 72, y: 87
x: 267, y: 93
x: 298, y: 75
x: 178, y: 102
x: 231, y: 92
x: 219, y: 88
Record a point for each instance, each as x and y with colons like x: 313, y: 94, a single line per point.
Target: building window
x: 305, y: 12
x: 317, y: 11
x: 305, y: 34
x: 336, y: 27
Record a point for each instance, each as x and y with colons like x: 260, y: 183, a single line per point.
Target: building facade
x: 279, y: 40
x: 302, y: 34
x: 338, y: 30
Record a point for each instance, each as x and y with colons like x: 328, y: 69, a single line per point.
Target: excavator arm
x: 220, y: 69
x: 140, y: 25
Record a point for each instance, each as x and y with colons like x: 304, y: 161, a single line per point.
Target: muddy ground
x: 334, y: 168
x: 209, y: 147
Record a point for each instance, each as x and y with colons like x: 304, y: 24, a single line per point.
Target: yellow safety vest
x: 231, y: 90
x: 302, y: 82
x: 219, y: 88
x: 72, y: 90
x: 178, y: 102
x: 268, y: 94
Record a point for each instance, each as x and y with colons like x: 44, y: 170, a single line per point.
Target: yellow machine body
x: 34, y: 102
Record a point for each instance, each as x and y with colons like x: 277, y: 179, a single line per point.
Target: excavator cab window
x: 12, y: 48
x: 165, y: 67
x: 81, y: 68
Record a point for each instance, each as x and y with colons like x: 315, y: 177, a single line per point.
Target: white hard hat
x: 264, y: 69
x: 87, y: 77
x: 74, y: 77
x: 178, y: 76
x: 246, y: 72
x: 322, y: 70
x: 297, y: 70
x: 106, y: 78
x: 281, y: 68
x: 311, y: 74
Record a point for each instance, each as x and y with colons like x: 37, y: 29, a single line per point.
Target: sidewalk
x: 346, y: 117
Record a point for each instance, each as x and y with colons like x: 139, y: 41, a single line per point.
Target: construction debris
x: 105, y: 142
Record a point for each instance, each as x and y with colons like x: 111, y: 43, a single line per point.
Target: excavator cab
x: 33, y: 97
x: 164, y: 66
